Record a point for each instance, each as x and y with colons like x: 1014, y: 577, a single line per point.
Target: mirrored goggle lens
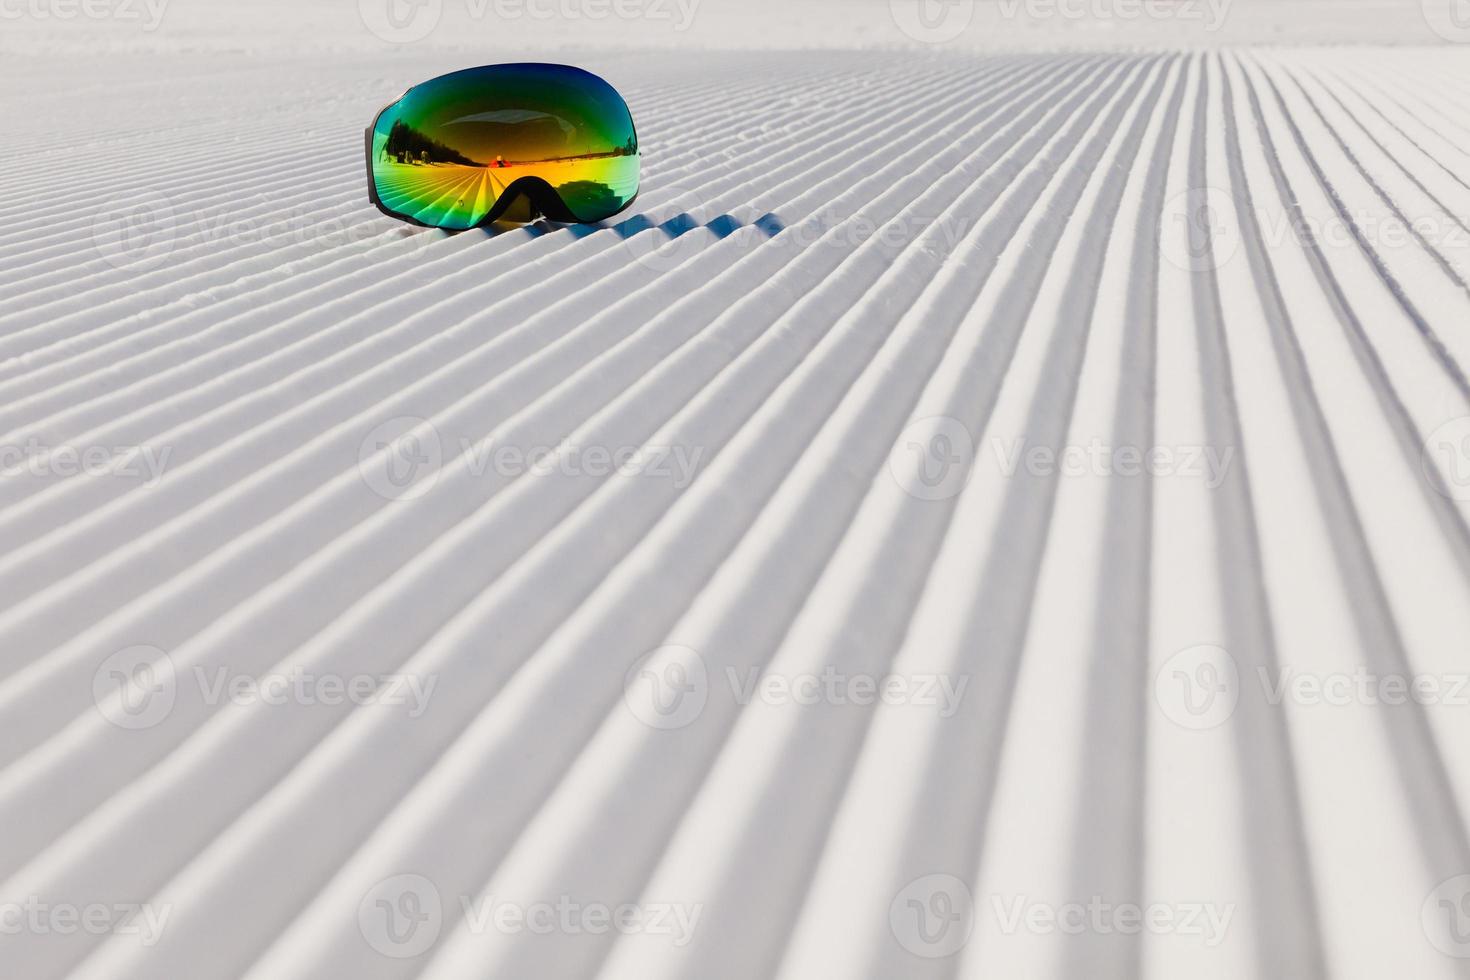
x: 446, y: 153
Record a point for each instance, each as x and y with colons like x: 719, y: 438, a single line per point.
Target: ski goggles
x: 504, y: 142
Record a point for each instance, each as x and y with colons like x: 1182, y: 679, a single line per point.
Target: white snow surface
x: 310, y: 673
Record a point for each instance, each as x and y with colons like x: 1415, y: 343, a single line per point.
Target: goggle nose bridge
x: 538, y: 195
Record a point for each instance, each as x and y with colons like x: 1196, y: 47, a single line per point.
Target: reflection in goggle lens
x: 459, y: 149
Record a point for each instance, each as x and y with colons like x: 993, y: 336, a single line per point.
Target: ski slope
x: 1228, y: 290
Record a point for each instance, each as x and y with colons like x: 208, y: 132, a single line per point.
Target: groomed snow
x: 511, y: 522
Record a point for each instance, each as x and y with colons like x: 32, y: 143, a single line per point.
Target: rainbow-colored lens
x: 461, y: 149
